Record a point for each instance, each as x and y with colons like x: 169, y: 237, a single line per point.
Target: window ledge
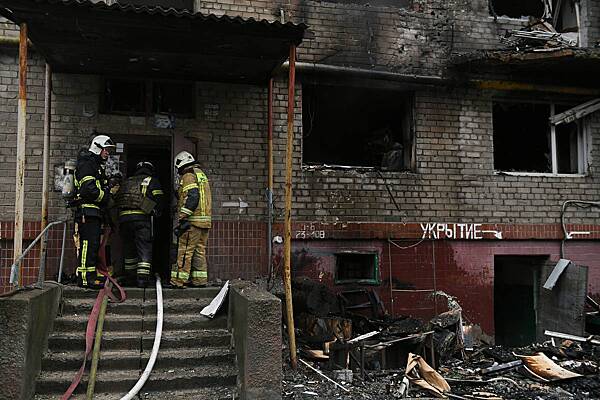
x: 507, y: 18
x: 540, y: 174
x: 335, y: 167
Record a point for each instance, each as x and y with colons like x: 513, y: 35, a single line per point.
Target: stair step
x: 131, y: 340
x: 110, y: 381
x: 137, y: 306
x: 74, y: 292
x: 124, y: 322
x: 133, y: 359
x: 209, y: 393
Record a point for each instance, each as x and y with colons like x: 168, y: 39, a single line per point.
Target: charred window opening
x: 524, y: 140
x: 143, y: 97
x: 357, y: 267
x: 173, y: 98
x: 357, y: 127
x: 124, y: 96
x: 518, y: 8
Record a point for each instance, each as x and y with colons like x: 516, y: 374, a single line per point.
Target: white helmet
x: 99, y: 143
x: 183, y: 159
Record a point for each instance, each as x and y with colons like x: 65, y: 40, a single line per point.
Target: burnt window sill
x: 539, y: 174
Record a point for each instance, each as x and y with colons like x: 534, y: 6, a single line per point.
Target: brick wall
x: 411, y: 270
x: 453, y: 181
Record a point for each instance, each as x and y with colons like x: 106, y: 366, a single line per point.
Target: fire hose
x: 159, y: 323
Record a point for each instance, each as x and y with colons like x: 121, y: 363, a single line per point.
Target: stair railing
x: 15, y: 268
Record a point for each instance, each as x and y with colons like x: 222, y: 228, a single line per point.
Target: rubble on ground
x: 369, y: 355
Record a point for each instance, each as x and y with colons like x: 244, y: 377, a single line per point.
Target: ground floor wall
x: 412, y: 259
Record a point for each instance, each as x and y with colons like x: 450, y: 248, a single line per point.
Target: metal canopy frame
x: 79, y: 36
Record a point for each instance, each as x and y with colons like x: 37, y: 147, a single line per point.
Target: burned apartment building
x: 439, y: 145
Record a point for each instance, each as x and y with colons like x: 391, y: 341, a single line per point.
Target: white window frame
x: 582, y: 151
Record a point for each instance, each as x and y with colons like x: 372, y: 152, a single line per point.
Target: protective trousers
x: 89, y: 243
x: 137, y: 248
x: 191, y: 258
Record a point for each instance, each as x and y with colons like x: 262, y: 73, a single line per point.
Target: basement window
x: 524, y: 140
x: 357, y: 127
x: 145, y: 97
x: 352, y: 267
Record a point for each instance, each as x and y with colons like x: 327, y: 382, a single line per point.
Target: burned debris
x: 362, y: 352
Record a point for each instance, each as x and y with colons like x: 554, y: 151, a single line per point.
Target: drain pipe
x: 159, y: 323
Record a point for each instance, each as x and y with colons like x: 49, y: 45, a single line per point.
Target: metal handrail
x: 14, y: 269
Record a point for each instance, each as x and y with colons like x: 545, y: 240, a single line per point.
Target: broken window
x: 173, y: 98
x: 142, y: 97
x: 357, y: 127
x: 356, y: 267
x: 524, y: 140
x: 518, y: 8
x: 124, y: 97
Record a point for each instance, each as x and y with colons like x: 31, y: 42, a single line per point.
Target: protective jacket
x: 91, y: 185
x: 194, y: 198
x: 139, y: 197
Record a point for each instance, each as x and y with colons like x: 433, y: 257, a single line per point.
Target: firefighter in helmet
x: 194, y: 223
x: 92, y: 198
x: 139, y: 199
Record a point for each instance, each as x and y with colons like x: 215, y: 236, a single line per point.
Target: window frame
x: 149, y: 100
x: 583, y: 141
x: 375, y: 280
x: 409, y: 122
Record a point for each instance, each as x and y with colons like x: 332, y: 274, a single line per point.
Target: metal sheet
x: 545, y: 368
x: 556, y: 273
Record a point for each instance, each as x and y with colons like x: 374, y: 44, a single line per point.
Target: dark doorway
x: 516, y: 283
x: 156, y: 149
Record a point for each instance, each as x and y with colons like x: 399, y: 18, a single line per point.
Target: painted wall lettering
x: 436, y: 230
x: 309, y: 231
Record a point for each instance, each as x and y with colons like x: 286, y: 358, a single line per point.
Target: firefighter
x: 194, y: 223
x: 139, y: 200
x: 92, y: 199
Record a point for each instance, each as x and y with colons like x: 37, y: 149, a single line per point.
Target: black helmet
x: 145, y: 164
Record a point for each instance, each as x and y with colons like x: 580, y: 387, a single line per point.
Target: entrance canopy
x: 79, y: 36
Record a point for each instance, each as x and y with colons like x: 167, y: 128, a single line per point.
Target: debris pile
x: 360, y: 353
x: 539, y: 36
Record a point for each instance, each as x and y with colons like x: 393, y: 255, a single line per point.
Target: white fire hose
x: 159, y: 323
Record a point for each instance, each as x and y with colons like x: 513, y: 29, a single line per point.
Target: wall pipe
x: 157, y: 337
x: 270, y: 178
x: 287, y: 241
x: 46, y: 160
x: 369, y: 73
x: 21, y: 136
x: 433, y: 80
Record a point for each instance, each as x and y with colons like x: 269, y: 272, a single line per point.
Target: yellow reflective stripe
x: 131, y: 212
x: 145, y: 184
x: 85, y: 179
x: 83, y: 259
x: 190, y: 186
x: 144, y: 264
x: 199, y: 274
x: 87, y: 205
x: 184, y: 275
x: 101, y: 195
x: 186, y: 211
x: 199, y: 218
x: 173, y: 274
x: 157, y: 191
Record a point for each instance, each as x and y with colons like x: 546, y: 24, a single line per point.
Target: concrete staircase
x: 194, y: 362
